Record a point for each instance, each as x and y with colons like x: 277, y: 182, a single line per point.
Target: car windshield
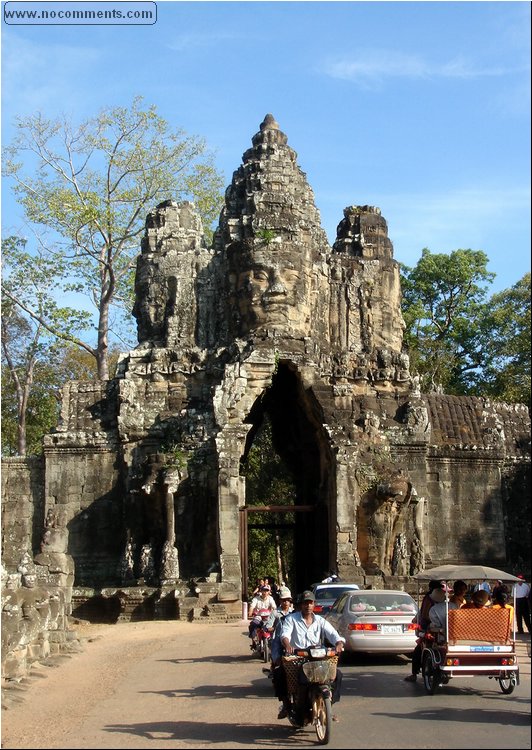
x: 330, y: 593
x: 379, y: 602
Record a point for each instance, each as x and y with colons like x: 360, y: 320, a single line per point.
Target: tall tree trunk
x: 280, y: 571
x: 102, y: 350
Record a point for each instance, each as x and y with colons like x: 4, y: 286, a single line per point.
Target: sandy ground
x: 30, y: 708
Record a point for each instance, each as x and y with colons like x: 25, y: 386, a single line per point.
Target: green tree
x: 28, y: 344
x: 20, y: 351
x: 506, y: 341
x: 35, y: 366
x: 444, y: 304
x: 57, y: 365
x: 268, y: 482
x: 87, y: 189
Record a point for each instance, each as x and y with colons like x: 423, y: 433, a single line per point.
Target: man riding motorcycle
x: 300, y: 630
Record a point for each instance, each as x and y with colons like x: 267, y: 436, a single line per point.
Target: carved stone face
x: 270, y: 292
x: 29, y: 580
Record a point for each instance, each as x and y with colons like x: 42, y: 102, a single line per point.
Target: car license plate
x: 391, y: 629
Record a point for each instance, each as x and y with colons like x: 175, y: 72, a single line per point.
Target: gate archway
x: 244, y: 530
x: 303, y: 445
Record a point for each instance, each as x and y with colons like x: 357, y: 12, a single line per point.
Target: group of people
x: 293, y: 625
x: 432, y: 614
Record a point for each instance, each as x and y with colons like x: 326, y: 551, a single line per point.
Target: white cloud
x: 487, y: 218
x: 471, y: 213
x: 372, y: 67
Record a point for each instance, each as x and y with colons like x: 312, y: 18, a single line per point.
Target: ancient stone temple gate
x: 143, y: 483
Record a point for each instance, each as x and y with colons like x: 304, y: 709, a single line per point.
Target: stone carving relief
x: 391, y: 527
x: 127, y: 564
x: 55, y: 534
x: 400, y: 563
x: 34, y: 622
x: 147, y: 565
x: 269, y: 288
x: 169, y: 564
x: 418, y: 548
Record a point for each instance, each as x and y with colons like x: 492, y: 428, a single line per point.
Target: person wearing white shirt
x: 303, y: 629
x: 260, y: 608
x: 522, y: 608
x: 438, y: 612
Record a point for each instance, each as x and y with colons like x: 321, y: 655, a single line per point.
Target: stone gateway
x: 141, y: 485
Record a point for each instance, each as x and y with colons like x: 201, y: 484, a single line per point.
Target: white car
x: 327, y: 593
x: 377, y: 621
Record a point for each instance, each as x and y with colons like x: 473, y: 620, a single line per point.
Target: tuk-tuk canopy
x: 465, y: 572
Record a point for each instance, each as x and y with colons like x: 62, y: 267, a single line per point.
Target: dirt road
x: 58, y: 704
x: 188, y: 685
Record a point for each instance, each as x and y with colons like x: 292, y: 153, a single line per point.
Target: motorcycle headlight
x: 318, y: 653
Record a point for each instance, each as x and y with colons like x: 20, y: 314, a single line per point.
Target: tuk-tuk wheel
x: 507, y: 684
x: 431, y: 674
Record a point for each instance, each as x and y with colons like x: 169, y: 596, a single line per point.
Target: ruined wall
x: 83, y: 487
x: 36, y: 587
x: 22, y: 507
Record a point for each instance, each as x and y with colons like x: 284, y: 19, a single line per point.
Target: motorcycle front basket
x: 320, y: 671
x: 292, y: 665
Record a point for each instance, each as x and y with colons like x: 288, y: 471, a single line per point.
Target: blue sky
x: 420, y: 108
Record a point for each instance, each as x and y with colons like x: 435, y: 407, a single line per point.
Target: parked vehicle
x: 376, y: 621
x: 475, y: 642
x: 310, y: 673
x: 327, y: 593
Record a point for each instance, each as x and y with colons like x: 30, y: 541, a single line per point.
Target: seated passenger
x: 435, y: 595
x: 479, y: 599
x: 500, y: 600
x: 259, y: 609
x: 458, y: 595
x: 438, y: 612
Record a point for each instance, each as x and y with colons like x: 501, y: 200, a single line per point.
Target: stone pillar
x: 231, y: 497
x: 347, y: 562
x: 170, y: 557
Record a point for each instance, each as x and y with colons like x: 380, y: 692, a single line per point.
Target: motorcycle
x: 310, y: 673
x: 260, y: 641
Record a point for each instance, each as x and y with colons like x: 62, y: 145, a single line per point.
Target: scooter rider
x: 303, y: 629
x: 260, y: 605
x: 275, y: 622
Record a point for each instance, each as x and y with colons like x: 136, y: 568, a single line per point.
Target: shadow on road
x: 254, y: 689
x: 369, y: 684
x: 474, y: 715
x: 247, y: 735
x: 216, y: 659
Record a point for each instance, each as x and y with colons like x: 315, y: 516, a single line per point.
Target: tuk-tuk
x: 479, y: 642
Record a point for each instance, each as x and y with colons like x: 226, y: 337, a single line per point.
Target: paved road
x: 185, y: 685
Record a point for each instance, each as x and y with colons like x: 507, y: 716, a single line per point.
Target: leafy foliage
x: 507, y: 344
x: 443, y: 298
x: 53, y: 368
x: 268, y: 482
x: 89, y: 187
x: 460, y: 340
x: 266, y: 235
x: 35, y: 363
